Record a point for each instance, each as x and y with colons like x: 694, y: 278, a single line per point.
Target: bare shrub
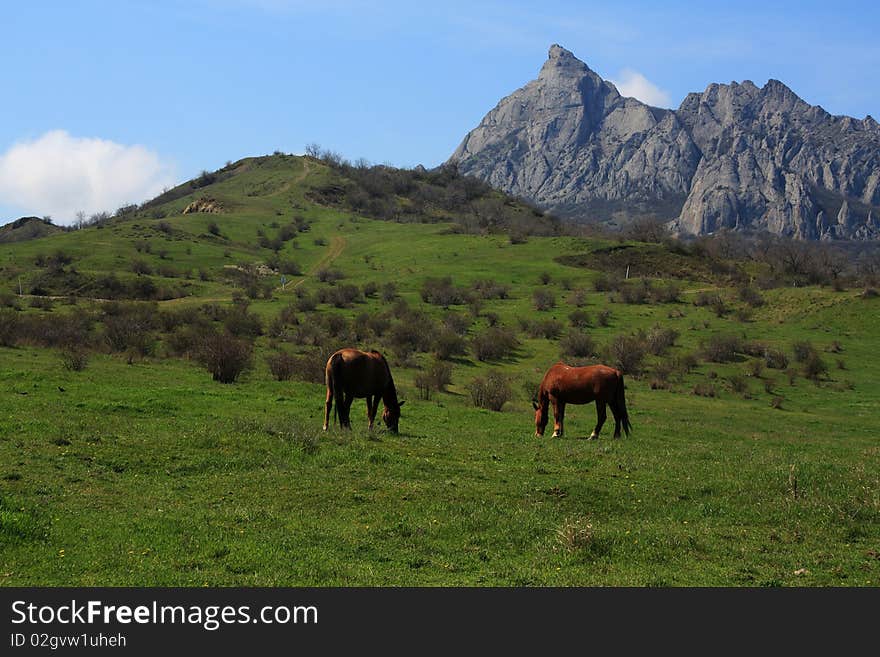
x: 578, y: 298
x: 669, y: 293
x: 579, y: 319
x: 490, y: 289
x: 577, y: 344
x: 74, y: 358
x: 491, y: 391
x: 541, y: 328
x: 225, y: 356
x: 449, y: 344
x: 721, y: 348
x: 543, y: 300
x: 775, y: 359
x: 442, y: 292
x: 659, y: 340
x: 751, y: 296
x: 603, y: 318
x: 814, y: 367
x: 704, y: 390
x: 494, y: 343
x: 626, y: 353
x: 281, y: 365
x: 802, y: 349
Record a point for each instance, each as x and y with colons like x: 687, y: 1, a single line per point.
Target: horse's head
x: 541, y: 416
x: 391, y: 416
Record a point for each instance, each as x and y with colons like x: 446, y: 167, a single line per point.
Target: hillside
x: 734, y: 157
x: 27, y: 228
x: 754, y: 458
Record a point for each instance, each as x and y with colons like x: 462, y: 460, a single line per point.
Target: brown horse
x: 353, y: 373
x: 563, y: 385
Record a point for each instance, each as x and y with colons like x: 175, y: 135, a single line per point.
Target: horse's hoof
x: 594, y: 436
x: 557, y: 434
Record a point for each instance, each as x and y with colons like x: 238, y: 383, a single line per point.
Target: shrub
x: 603, y: 318
x: 442, y: 292
x: 575, y: 534
x: 661, y: 374
x: 775, y: 359
x: 814, y: 366
x: 240, y: 322
x: 704, y: 390
x: 549, y: 329
x: 226, y: 356
x: 577, y: 344
x: 669, y: 293
x: 141, y: 267
x: 658, y: 340
x: 738, y: 384
x: 579, y: 319
x: 543, y: 300
x: 721, y: 348
x: 329, y: 275
x: 494, y: 343
x: 751, y: 296
x: 490, y: 289
x: 371, y: 289
x: 9, y: 325
x: 578, y: 298
x: 449, y: 344
x: 756, y: 368
x: 544, y: 278
x: 281, y: 365
x: 704, y: 298
x: 424, y: 385
x: 802, y: 350
x: 42, y: 303
x: 389, y: 292
x: 491, y: 391
x: 626, y: 353
x: 635, y: 293
x: 305, y: 303
x: 74, y: 359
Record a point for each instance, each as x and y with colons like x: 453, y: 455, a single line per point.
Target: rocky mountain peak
x: 735, y: 156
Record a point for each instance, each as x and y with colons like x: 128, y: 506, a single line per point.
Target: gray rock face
x: 735, y: 156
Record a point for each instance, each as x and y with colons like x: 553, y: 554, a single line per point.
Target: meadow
x: 139, y: 469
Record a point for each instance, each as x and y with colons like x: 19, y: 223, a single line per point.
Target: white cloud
x: 58, y: 175
x: 633, y: 84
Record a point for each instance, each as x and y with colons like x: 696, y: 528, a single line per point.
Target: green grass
x: 152, y: 474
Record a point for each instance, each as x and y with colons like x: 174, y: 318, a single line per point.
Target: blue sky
x: 107, y: 102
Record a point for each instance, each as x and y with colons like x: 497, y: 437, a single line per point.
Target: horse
x: 563, y: 385
x: 354, y: 373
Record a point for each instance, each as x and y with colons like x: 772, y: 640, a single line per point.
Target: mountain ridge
x: 735, y: 156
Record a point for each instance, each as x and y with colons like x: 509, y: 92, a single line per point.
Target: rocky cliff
x: 735, y: 156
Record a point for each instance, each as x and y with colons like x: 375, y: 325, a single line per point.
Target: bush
x: 802, y: 350
x: 658, y: 340
x: 491, y: 391
x: 489, y: 289
x: 626, y: 353
x: 329, y: 275
x: 281, y: 365
x: 751, y: 296
x: 494, y: 343
x: 549, y: 329
x: 635, y: 293
x: 603, y: 318
x: 721, y: 348
x: 543, y: 300
x: 578, y: 298
x: 577, y: 344
x: 579, y: 319
x: 775, y: 359
x: 442, y: 292
x: 74, y: 359
x: 669, y: 293
x: 814, y: 366
x: 225, y: 356
x: 705, y: 390
x: 449, y: 344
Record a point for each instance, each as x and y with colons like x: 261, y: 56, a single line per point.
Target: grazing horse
x: 581, y: 385
x: 353, y: 373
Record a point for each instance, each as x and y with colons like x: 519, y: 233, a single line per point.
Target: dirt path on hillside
x: 337, y: 246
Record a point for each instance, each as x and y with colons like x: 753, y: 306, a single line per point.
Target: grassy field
x: 144, y: 471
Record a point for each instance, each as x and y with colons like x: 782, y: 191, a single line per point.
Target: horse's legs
x: 372, y: 406
x: 558, y: 416
x: 615, y: 411
x: 328, y: 405
x: 345, y: 411
x: 601, y: 414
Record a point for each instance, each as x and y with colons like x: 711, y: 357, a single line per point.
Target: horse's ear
x: 401, y: 403
x: 535, y: 404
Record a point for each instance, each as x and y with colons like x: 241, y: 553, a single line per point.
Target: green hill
x: 27, y: 228
x: 754, y: 459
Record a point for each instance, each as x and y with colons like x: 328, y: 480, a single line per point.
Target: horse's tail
x: 333, y: 379
x: 620, y: 406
